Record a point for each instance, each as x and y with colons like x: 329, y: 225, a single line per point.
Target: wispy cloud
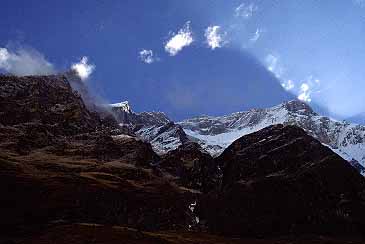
x: 24, y: 61
x: 305, y: 90
x: 215, y: 38
x: 180, y: 40
x: 245, y: 10
x: 147, y: 56
x: 256, y: 36
x: 288, y: 85
x: 83, y: 68
x: 273, y: 65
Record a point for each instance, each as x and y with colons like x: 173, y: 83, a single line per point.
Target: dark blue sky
x: 315, y: 49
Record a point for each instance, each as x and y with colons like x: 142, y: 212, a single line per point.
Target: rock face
x: 279, y: 180
x: 60, y: 163
x: 217, y: 133
x: 44, y: 111
x: 46, y: 100
x: 153, y: 127
x: 193, y: 167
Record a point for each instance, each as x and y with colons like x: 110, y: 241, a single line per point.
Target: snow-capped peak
x: 298, y: 106
x: 217, y: 133
x: 124, y: 106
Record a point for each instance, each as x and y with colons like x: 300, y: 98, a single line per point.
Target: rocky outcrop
x: 279, y: 180
x: 153, y: 127
x: 193, y: 167
x: 46, y: 100
x: 46, y: 111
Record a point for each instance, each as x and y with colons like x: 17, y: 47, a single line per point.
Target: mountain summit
x: 214, y: 134
x: 217, y: 133
x: 153, y: 127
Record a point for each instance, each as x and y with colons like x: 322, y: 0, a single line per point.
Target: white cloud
x: 147, y: 56
x: 24, y: 61
x: 309, y: 88
x: 246, y: 10
x: 256, y: 36
x: 305, y: 93
x: 214, y: 37
x: 4, y: 58
x: 83, y: 68
x: 180, y: 40
x: 271, y: 62
x: 288, y: 85
x: 273, y: 65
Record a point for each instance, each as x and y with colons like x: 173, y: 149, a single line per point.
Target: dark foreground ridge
x: 63, y: 163
x: 280, y: 180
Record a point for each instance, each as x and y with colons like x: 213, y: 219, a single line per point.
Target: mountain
x: 192, y: 167
x: 214, y: 134
x: 280, y: 180
x: 47, y: 100
x: 61, y: 162
x: 217, y: 133
x: 73, y: 170
x: 153, y: 127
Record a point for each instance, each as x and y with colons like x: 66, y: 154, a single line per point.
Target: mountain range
x: 215, y: 134
x: 74, y: 170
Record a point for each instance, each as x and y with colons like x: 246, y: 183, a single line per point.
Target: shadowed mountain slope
x: 279, y: 180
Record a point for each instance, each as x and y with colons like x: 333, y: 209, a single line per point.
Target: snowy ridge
x: 153, y: 127
x: 163, y: 138
x: 123, y: 106
x: 217, y: 133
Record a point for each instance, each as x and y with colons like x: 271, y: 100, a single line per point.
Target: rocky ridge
x: 214, y: 134
x: 61, y: 162
x: 153, y: 127
x: 217, y: 133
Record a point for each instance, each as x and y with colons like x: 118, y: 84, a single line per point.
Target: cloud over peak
x: 288, y: 85
x: 180, y: 40
x: 310, y: 87
x: 24, y: 61
x: 214, y: 37
x: 83, y: 68
x: 305, y: 92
